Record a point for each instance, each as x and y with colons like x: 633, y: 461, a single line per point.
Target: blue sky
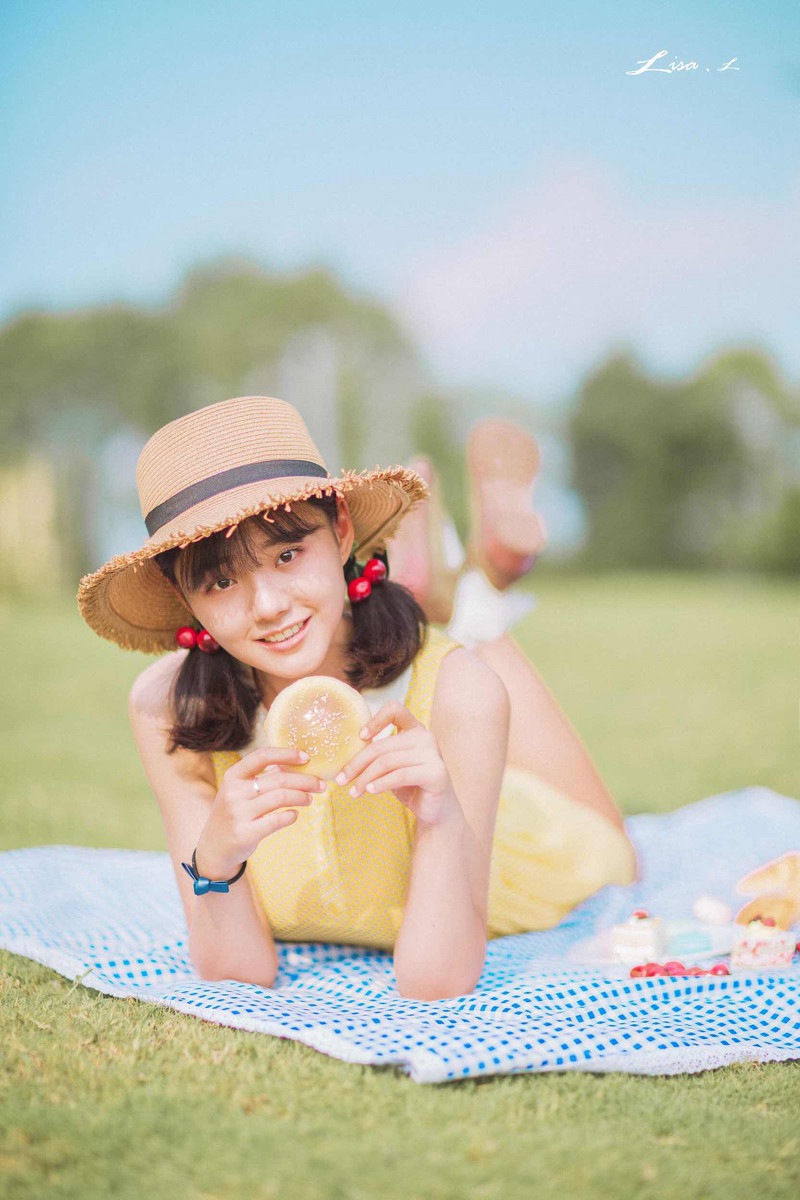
x: 492, y: 172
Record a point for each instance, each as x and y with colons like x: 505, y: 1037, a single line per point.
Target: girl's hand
x: 241, y: 816
x: 408, y: 764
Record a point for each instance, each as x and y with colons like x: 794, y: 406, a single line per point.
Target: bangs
x: 218, y: 554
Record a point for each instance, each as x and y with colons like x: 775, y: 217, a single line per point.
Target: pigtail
x: 214, y: 697
x: 214, y: 703
x: 389, y: 628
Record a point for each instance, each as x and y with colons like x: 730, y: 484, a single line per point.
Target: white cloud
x: 573, y: 265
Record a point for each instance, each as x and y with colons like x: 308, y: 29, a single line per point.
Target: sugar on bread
x: 322, y: 716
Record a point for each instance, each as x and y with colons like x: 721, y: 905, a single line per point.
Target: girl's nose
x: 269, y: 599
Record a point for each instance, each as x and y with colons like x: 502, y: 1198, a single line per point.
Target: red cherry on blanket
x: 375, y: 571
x: 720, y: 969
x: 206, y: 642
x: 677, y: 968
x: 654, y: 968
x: 186, y: 637
x: 641, y: 914
x: 638, y: 972
x: 359, y: 589
x: 695, y: 971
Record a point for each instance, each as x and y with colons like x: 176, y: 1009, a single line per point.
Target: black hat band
x: 204, y: 489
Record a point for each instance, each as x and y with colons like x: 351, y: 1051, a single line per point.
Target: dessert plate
x: 597, y: 951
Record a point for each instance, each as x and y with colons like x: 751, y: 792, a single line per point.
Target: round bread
x: 322, y: 716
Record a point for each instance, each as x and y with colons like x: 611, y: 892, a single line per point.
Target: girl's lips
x: 288, y: 643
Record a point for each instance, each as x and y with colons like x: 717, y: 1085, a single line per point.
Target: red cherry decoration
x: 720, y: 969
x: 673, y: 966
x: 206, y: 642
x: 768, y: 921
x: 638, y: 971
x: 359, y: 589
x: 641, y: 914
x: 654, y: 968
x: 375, y: 571
x: 186, y: 637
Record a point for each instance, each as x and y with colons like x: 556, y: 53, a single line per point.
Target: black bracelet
x: 203, y: 885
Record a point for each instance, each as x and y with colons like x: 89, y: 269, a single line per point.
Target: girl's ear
x: 344, y: 530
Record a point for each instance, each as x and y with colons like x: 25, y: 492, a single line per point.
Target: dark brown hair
x: 214, y: 695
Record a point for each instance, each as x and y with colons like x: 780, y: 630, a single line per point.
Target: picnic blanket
x: 113, y: 920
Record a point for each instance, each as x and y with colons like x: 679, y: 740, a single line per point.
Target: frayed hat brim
x: 130, y: 602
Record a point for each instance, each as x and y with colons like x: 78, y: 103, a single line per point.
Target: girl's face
x: 277, y: 603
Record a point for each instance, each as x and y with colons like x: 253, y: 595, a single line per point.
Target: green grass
x: 680, y: 687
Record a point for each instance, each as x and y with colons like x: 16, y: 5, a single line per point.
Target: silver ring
x: 255, y: 785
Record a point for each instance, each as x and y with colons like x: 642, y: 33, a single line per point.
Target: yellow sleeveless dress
x: 340, y: 872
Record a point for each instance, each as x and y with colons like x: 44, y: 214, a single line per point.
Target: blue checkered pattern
x: 113, y: 919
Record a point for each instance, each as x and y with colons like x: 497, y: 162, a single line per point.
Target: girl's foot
x: 506, y: 535
x: 421, y: 553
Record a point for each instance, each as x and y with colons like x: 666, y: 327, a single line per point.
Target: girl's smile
x: 287, y: 638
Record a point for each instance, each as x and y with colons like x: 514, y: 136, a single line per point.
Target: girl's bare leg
x: 506, y: 536
x: 541, y: 738
x: 418, y: 552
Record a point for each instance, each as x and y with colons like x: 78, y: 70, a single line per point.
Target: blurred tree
x: 679, y: 474
x: 117, y: 364
x: 236, y: 316
x: 67, y: 381
x: 352, y: 418
x: 778, y: 547
x: 71, y: 380
x: 433, y: 436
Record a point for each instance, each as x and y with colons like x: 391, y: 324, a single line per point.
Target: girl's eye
x: 219, y: 585
x: 282, y: 556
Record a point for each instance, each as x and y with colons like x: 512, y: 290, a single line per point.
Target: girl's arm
x: 449, y: 777
x: 229, y: 936
x: 441, y: 948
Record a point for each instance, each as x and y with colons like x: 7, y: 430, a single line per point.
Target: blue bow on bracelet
x: 202, y: 885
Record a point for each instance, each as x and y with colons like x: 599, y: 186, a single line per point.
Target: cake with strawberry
x: 762, y: 943
x: 639, y: 939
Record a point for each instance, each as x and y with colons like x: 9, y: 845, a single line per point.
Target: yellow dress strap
x: 425, y: 671
x: 222, y: 759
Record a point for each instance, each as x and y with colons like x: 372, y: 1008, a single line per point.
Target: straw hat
x: 208, y: 471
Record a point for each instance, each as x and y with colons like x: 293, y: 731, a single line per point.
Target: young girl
x: 478, y: 815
